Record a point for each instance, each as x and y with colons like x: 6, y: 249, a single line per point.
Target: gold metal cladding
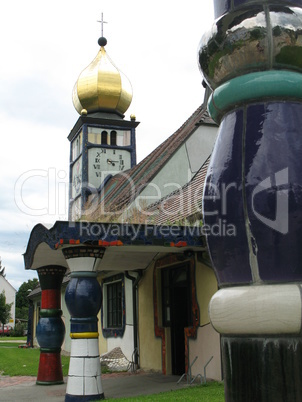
x: 102, y: 86
x: 84, y: 335
x: 75, y: 98
x: 251, y: 40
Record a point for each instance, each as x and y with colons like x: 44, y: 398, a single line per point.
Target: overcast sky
x: 44, y: 47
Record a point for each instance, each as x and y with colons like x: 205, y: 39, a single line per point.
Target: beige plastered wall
x: 149, y: 344
x: 207, y: 342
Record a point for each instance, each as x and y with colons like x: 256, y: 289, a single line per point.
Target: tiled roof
x: 182, y: 203
x: 123, y: 188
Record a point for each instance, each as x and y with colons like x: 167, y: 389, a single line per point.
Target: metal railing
x: 189, y: 373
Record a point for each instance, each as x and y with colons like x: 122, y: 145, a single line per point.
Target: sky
x: 44, y: 46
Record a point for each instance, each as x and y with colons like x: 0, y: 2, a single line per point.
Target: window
x: 100, y: 136
x: 114, y: 305
x: 113, y: 137
x: 113, y: 314
x: 77, y: 146
x: 104, y: 139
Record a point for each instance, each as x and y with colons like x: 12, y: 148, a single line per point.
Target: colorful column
x: 84, y: 299
x: 50, y: 330
x: 252, y: 60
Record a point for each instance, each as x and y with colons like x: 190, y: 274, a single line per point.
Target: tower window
x: 113, y: 137
x: 77, y: 146
x: 104, y: 140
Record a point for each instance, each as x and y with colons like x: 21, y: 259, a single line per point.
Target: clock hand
x: 111, y: 162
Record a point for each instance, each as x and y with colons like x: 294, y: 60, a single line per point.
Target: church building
x: 130, y: 268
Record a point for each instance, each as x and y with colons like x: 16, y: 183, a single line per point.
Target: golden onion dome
x: 101, y: 86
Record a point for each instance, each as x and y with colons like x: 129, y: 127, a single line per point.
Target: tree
x: 22, y: 302
x: 5, y: 309
x: 23, y: 292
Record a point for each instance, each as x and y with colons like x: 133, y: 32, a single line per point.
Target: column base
x: 50, y: 369
x: 50, y: 382
x: 84, y: 375
x: 262, y: 369
x: 75, y: 398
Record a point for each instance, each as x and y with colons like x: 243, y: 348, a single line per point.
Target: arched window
x: 104, y: 138
x: 113, y: 137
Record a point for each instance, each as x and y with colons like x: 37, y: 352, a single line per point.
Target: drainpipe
x: 135, y: 281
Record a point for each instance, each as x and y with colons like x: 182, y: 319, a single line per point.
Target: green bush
x: 21, y: 313
x: 18, y: 330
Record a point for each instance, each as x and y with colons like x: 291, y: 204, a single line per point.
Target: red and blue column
x: 83, y: 298
x: 252, y: 60
x: 50, y: 330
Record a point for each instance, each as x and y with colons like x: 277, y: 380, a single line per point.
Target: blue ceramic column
x: 252, y: 60
x: 83, y: 298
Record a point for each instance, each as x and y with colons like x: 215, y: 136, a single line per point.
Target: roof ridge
x: 152, y: 157
x: 202, y: 167
x: 146, y: 169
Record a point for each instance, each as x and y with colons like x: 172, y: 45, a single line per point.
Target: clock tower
x: 102, y: 142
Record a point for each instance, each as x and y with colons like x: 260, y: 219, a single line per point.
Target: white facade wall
x: 200, y: 145
x: 182, y: 166
x: 175, y: 174
x: 125, y: 343
x: 10, y: 294
x: 204, y: 347
x: 178, y: 170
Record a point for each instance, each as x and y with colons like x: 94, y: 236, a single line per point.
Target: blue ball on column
x: 50, y: 332
x: 83, y: 296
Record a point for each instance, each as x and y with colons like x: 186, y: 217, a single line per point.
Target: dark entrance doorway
x: 177, y: 311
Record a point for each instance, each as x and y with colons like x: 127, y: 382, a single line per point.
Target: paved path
x: 6, y: 381
x: 5, y: 340
x: 24, y: 389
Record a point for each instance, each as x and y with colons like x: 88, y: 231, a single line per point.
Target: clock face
x: 104, y: 161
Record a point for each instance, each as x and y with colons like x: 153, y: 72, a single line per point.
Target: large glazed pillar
x: 83, y: 299
x: 252, y: 59
x: 50, y: 329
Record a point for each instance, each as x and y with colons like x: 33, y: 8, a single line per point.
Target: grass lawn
x: 13, y: 338
x: 15, y: 361
x: 210, y: 392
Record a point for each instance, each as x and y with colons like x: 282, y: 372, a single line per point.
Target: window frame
x: 108, y: 327
x: 114, y: 307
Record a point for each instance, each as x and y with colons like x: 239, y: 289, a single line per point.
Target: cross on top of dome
x: 102, y: 24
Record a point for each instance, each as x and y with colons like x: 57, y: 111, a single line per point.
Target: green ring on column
x: 273, y: 84
x: 47, y: 312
